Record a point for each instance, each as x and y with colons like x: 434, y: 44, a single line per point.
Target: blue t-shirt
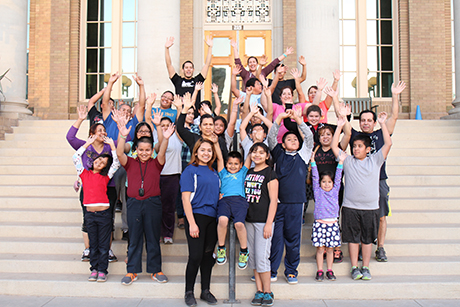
x: 112, y: 129
x: 170, y: 113
x: 233, y: 184
x: 204, y: 185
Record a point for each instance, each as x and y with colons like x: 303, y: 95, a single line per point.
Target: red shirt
x: 151, y: 178
x: 94, y: 188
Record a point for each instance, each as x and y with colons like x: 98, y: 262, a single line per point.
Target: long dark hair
x: 262, y: 145
x: 105, y: 170
x: 194, y: 160
x: 136, y: 139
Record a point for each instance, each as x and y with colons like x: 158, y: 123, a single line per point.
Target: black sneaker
x: 118, y: 206
x: 258, y: 298
x: 112, y: 257
x: 338, y: 256
x: 125, y: 236
x: 319, y: 276
x: 330, y: 275
x: 380, y: 255
x: 85, y: 255
x: 190, y: 298
x: 208, y: 297
x: 268, y: 299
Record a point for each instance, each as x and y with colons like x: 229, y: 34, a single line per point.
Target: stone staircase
x: 41, y: 242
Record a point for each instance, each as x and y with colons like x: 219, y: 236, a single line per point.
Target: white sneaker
x: 168, y: 240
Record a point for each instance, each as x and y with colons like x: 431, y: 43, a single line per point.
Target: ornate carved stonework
x: 238, y: 11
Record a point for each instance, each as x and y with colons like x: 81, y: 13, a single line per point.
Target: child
x: 232, y: 204
x: 291, y: 160
x: 360, y: 208
x: 98, y: 215
x: 144, y: 204
x: 261, y: 187
x: 325, y: 231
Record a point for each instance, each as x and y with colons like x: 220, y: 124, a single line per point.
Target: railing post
x: 231, y: 267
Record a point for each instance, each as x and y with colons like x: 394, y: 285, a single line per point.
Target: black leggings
x: 200, y: 251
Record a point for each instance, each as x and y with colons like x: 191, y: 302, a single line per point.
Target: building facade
x: 74, y: 45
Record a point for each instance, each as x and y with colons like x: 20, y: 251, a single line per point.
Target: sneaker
x: 319, y: 276
x: 291, y: 279
x: 243, y: 260
x: 112, y: 257
x: 330, y: 275
x: 85, y: 255
x: 129, y: 279
x: 221, y: 256
x: 118, y: 206
x: 101, y: 277
x: 257, y: 300
x: 366, y: 273
x: 180, y: 223
x: 208, y: 297
x: 253, y: 278
x: 160, y: 277
x: 356, y: 273
x: 190, y: 299
x: 380, y: 255
x: 272, y: 279
x: 125, y: 236
x: 93, y: 276
x: 338, y: 256
x: 268, y: 299
x: 168, y: 240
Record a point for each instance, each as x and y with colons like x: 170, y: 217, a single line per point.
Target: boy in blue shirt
x: 232, y: 204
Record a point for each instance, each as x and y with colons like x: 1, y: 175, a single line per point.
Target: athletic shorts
x: 259, y: 247
x: 360, y: 226
x: 384, y: 202
x: 235, y: 207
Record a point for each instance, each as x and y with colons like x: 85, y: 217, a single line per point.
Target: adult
x: 186, y: 84
x: 254, y: 69
x: 367, y: 123
x: 279, y: 82
x: 166, y: 101
x: 200, y: 180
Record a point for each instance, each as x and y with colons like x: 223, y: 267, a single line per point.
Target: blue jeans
x: 99, y: 226
x: 144, y: 220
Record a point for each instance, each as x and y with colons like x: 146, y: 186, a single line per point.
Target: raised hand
x: 397, y: 89
x: 382, y: 117
x: 114, y: 77
x: 233, y: 43
x: 177, y: 102
x: 249, y: 90
x: 295, y: 73
x: 263, y: 80
x: 119, y: 117
x: 199, y: 86
x: 238, y: 100
x: 297, y: 111
x: 267, y: 91
x: 344, y: 109
x: 151, y: 99
x: 109, y: 141
x: 82, y: 112
x: 337, y: 74
x: 341, y: 121
x: 91, y: 139
x: 263, y: 60
x: 156, y: 117
x: 214, y: 138
x: 254, y: 108
x: 214, y: 88
x: 169, y: 131
x: 330, y: 92
x: 124, y: 131
x: 138, y: 79
x: 321, y: 83
x: 236, y: 70
x: 206, y: 109
x: 342, y: 156
x: 187, y: 100
x: 289, y: 50
x: 169, y: 42
x: 209, y: 41
x: 302, y: 60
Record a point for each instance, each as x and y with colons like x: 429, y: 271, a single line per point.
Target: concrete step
x: 397, y: 151
x: 422, y: 170
x: 424, y: 160
x: 428, y: 145
x: 64, y: 151
x: 40, y: 191
x: 424, y: 204
x: 38, y: 160
x: 38, y: 170
x: 427, y: 191
x: 42, y: 180
x: 49, y: 202
x: 425, y: 180
x: 381, y: 287
x: 21, y: 145
x: 420, y: 136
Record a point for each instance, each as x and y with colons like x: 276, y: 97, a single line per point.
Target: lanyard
x: 145, y: 171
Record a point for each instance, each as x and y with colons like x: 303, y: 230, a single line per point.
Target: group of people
x: 183, y: 160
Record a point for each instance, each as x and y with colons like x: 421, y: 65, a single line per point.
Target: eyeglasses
x: 166, y: 98
x: 144, y: 131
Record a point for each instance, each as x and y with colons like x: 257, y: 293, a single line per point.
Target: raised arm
x: 266, y: 97
x: 123, y: 133
x: 335, y: 139
x: 92, y: 101
x: 72, y: 133
x: 386, y: 134
x: 184, y: 133
x: 115, y: 164
x: 274, y: 81
x: 246, y: 119
x: 141, y: 108
x: 205, y: 69
x: 235, y: 71
x: 77, y: 156
x: 156, y: 120
x: 106, y: 109
x: 233, y: 116
x: 219, y: 156
x: 198, y: 88
x: 336, y: 74
x: 395, y: 91
x: 215, y: 89
x: 177, y: 102
x: 321, y: 83
x: 297, y: 78
x: 164, y: 144
x: 273, y: 132
x: 169, y: 66
x: 303, y: 62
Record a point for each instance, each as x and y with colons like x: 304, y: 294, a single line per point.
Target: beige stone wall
x: 53, y: 59
x: 186, y: 30
x: 289, y: 33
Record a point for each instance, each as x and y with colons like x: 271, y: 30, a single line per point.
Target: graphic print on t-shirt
x: 253, y: 185
x: 188, y: 84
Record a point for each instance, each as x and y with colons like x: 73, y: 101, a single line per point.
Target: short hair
x: 93, y: 128
x: 253, y: 57
x: 314, y: 108
x: 204, y: 116
x: 206, y: 102
x: 259, y: 125
x: 362, y: 137
x: 374, y: 116
x: 138, y: 127
x: 145, y: 139
x: 168, y: 92
x: 183, y: 64
x: 326, y: 173
x: 124, y: 104
x: 278, y: 65
x: 235, y: 154
x: 105, y: 170
x: 166, y: 118
x: 294, y: 133
x: 251, y: 82
x: 194, y: 160
x: 222, y: 119
x: 324, y: 128
x: 285, y: 87
x: 313, y: 86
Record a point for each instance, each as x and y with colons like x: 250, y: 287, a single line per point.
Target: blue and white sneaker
x: 291, y: 279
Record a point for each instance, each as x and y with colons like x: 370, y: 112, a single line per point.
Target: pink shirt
x: 322, y: 105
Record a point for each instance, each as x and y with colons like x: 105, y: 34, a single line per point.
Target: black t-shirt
x: 256, y: 189
x: 95, y: 116
x: 276, y: 94
x: 377, y: 142
x: 183, y: 86
x: 325, y: 161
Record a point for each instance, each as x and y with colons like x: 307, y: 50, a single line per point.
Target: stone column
x: 318, y: 38
x: 158, y: 19
x: 13, y: 56
x: 277, y: 33
x: 455, y: 112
